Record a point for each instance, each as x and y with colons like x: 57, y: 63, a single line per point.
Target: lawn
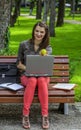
x: 66, y: 42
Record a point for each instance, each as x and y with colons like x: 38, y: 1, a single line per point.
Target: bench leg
x: 66, y: 108
x: 63, y: 108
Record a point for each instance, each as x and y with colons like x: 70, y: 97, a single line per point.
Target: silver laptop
x: 37, y: 65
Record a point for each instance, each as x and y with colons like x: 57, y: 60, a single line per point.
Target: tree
x: 38, y: 9
x: 61, y: 11
x: 52, y: 18
x: 46, y: 10
x: 49, y: 11
x: 4, y: 23
x: 16, y: 11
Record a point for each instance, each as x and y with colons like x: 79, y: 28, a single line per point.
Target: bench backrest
x: 61, y: 67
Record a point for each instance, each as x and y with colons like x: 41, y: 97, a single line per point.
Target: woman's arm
x: 20, y: 58
x: 21, y: 66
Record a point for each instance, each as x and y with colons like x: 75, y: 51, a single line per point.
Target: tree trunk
x: 61, y: 11
x: 52, y: 18
x: 38, y: 9
x: 4, y: 22
x: 16, y: 13
x: 76, y: 5
x: 46, y: 10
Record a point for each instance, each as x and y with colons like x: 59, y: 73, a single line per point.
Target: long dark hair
x: 45, y: 41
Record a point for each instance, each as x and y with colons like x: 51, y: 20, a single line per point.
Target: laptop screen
x: 37, y: 65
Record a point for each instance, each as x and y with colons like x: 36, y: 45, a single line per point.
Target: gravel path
x: 11, y: 116
x: 72, y: 21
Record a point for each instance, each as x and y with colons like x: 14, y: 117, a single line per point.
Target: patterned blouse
x: 27, y: 48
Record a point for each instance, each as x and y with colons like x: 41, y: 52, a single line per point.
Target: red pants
x: 30, y: 86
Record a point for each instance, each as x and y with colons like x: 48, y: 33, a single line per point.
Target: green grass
x: 76, y: 78
x: 66, y: 42
x: 21, y: 31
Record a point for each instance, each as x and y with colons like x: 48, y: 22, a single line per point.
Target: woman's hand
x: 21, y: 66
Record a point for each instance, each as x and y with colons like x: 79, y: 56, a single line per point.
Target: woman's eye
x: 36, y: 31
x: 41, y: 32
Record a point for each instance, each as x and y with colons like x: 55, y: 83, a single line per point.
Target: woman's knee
x: 43, y: 80
x: 32, y: 81
x: 23, y: 80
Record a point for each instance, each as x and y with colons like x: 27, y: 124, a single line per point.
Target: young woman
x: 33, y: 46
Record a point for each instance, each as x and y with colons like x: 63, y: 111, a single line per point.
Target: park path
x: 72, y: 21
x: 11, y: 115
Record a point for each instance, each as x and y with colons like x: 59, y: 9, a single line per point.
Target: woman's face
x: 39, y: 33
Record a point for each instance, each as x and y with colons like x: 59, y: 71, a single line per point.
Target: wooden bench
x: 61, y: 75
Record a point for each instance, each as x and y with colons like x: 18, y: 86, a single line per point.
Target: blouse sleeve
x: 49, y: 50
x: 20, y: 56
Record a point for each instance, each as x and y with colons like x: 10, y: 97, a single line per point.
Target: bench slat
x: 59, y: 79
x: 36, y: 100
x: 61, y: 66
x: 61, y: 73
x: 52, y: 91
x: 12, y: 59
